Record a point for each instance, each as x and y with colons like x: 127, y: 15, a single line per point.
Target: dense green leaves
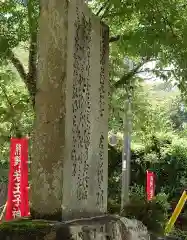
x: 151, y: 29
x: 16, y: 114
x: 14, y: 30
x: 166, y: 155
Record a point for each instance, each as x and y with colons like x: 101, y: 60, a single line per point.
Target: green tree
x: 141, y: 30
x: 149, y: 30
x: 19, y: 25
x: 16, y: 113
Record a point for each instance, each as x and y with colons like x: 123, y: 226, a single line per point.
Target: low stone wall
x: 97, y: 228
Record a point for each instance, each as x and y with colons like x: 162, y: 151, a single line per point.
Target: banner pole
x: 176, y: 213
x: 3, y: 212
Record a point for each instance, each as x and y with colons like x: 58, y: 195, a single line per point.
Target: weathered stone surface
x: 97, y: 228
x: 86, y: 161
x: 49, y: 127
x: 69, y: 160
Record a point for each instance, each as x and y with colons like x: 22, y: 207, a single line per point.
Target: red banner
x: 150, y: 186
x: 18, y: 200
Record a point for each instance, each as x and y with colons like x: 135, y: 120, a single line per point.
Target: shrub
x: 152, y: 214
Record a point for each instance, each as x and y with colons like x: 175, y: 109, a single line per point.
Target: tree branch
x: 153, y: 71
x: 31, y: 76
x: 127, y: 76
x: 119, y: 37
x: 106, y: 10
x: 33, y: 56
x: 14, y: 121
x: 101, y: 8
x: 114, y: 38
x: 18, y: 65
x: 24, y: 76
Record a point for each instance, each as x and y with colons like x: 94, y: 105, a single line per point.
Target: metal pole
x: 126, y: 154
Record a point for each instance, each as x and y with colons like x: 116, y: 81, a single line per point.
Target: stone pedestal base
x: 97, y: 228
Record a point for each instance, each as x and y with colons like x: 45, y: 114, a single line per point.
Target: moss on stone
x: 24, y: 225
x: 25, y: 229
x: 56, y: 216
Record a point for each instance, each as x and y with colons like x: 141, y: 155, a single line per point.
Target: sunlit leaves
x: 156, y: 29
x: 16, y: 113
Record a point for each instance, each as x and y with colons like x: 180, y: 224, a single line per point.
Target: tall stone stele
x: 69, y: 156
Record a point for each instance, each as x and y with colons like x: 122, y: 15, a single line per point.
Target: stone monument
x: 69, y: 161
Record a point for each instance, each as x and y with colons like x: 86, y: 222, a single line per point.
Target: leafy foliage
x: 152, y: 29
x: 15, y: 28
x: 140, y: 30
x: 166, y: 155
x: 153, y: 214
x: 16, y: 113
